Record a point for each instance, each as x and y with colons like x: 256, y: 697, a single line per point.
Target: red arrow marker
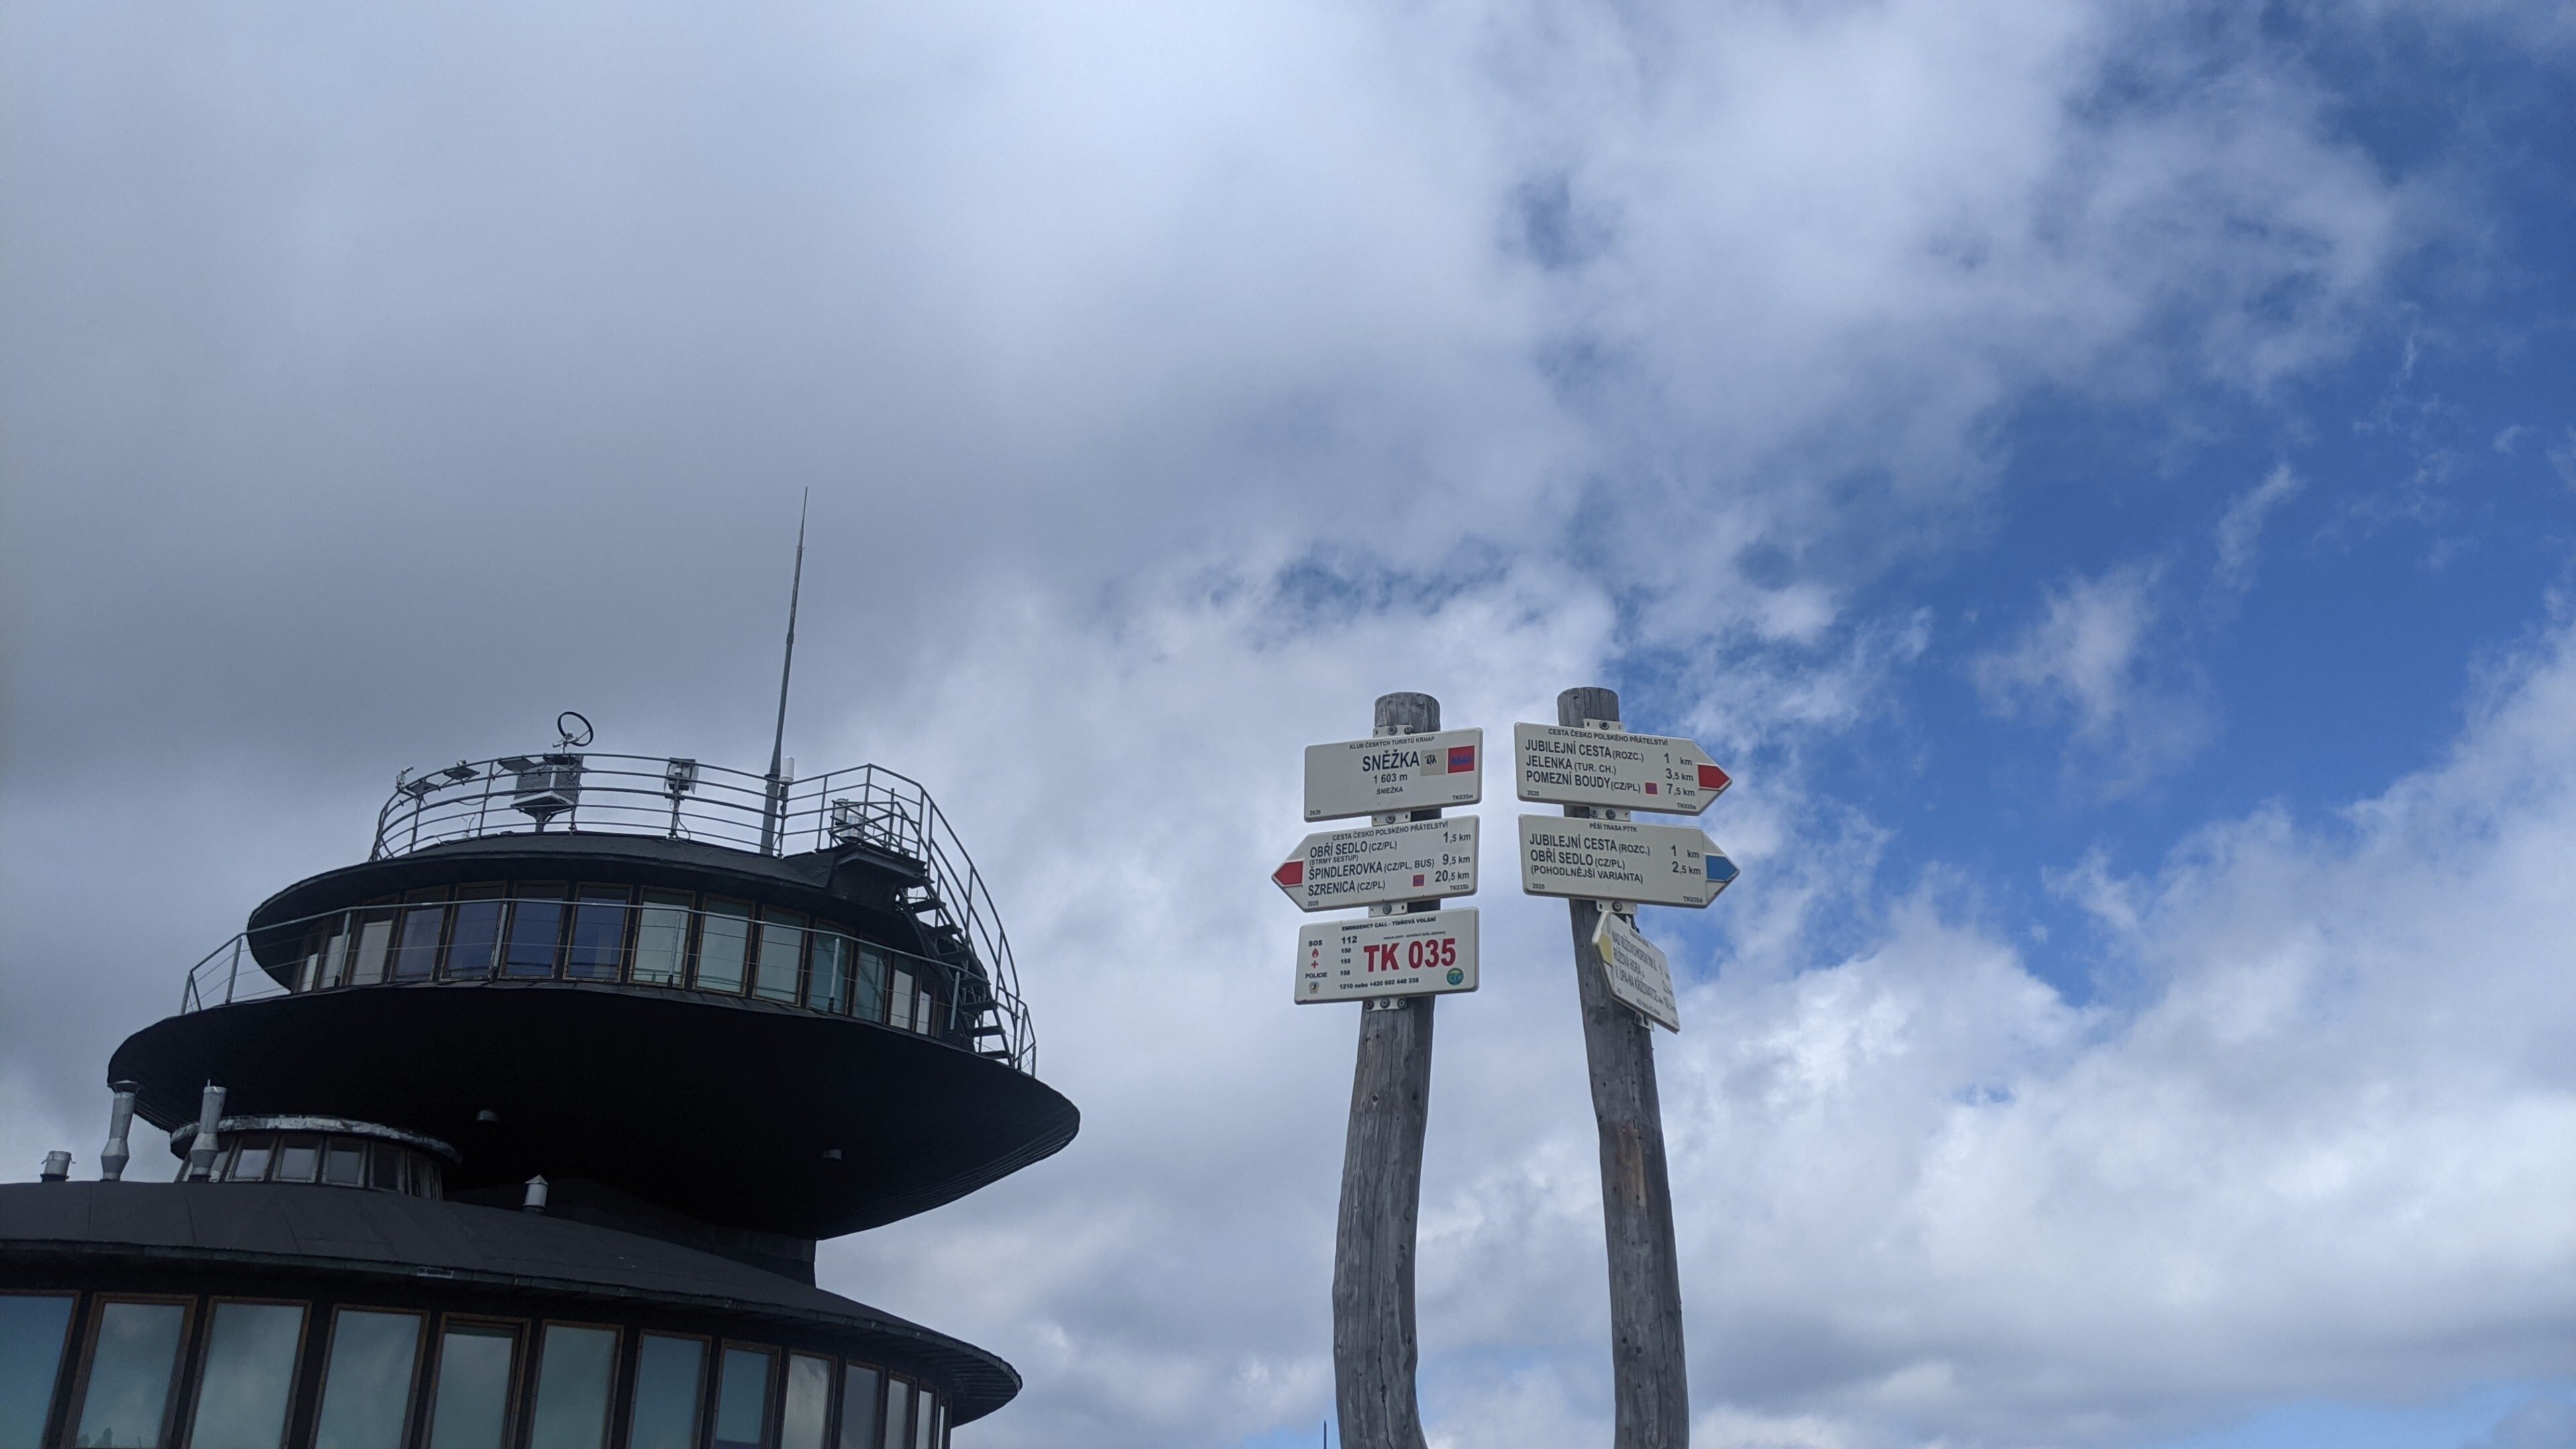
x: 1291, y: 875
x: 1713, y: 779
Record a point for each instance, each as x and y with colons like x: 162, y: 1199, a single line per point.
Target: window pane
x: 472, y: 1406
x: 724, y: 939
x: 662, y: 938
x: 742, y: 1401
x: 827, y: 978
x: 375, y: 941
x: 325, y: 946
x: 128, y: 1398
x: 31, y: 1354
x: 898, y: 1414
x: 250, y: 1164
x: 809, y: 1398
x: 921, y: 1425
x: 598, y: 934
x: 384, y: 1167
x: 296, y: 1160
x: 249, y: 1376
x: 901, y: 1014
x: 476, y: 935
x: 416, y: 950
x: 536, y: 929
x: 872, y: 983
x: 573, y: 1376
x: 862, y: 1399
x: 667, y: 1371
x: 782, y: 947
x: 366, y: 1390
x: 346, y: 1164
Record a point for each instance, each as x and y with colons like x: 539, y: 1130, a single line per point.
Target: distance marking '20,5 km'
x: 1620, y: 860
x: 1431, y: 953
x: 1391, y: 773
x: 1379, y: 864
x: 1560, y: 765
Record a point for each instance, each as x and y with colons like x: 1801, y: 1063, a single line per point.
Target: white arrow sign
x: 1429, y: 954
x: 1395, y: 772
x: 1561, y: 766
x: 1620, y: 860
x: 1413, y: 861
x: 1639, y: 975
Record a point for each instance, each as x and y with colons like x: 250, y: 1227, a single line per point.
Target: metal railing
x: 683, y: 799
x: 588, y: 937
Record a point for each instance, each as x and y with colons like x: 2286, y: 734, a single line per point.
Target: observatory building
x: 520, y: 1133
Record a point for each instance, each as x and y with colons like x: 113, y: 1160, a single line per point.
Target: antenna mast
x: 774, y: 819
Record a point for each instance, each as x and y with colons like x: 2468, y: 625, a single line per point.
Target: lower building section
x: 260, y: 1316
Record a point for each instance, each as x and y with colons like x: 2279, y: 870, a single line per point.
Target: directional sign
x: 1409, y: 862
x: 1395, y: 772
x: 1639, y: 975
x: 1429, y: 954
x: 1620, y: 860
x: 1561, y: 766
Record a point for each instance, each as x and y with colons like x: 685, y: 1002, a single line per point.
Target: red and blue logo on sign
x: 1462, y: 758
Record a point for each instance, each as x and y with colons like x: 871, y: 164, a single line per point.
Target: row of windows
x: 332, y: 1161
x: 557, y: 930
x: 393, y: 1378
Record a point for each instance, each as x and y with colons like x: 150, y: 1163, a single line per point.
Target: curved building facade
x: 520, y: 1133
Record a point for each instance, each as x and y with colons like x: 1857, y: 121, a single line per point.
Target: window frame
x: 67, y: 1360
x: 773, y: 1387
x: 633, y: 1361
x: 624, y: 1339
x: 413, y: 1409
x: 434, y: 1361
x: 94, y: 1312
x: 295, y: 1383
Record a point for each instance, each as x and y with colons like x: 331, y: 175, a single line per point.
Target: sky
x: 2102, y: 477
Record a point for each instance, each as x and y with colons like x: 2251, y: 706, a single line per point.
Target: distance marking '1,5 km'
x: 1379, y: 864
x: 1431, y: 953
x: 1391, y: 773
x: 1620, y: 860
x: 1558, y: 765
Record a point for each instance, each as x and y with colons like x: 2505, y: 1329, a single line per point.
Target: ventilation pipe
x: 201, y: 1153
x: 535, y: 1202
x: 120, y: 1120
x: 58, y: 1168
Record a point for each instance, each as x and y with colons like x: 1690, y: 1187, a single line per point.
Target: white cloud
x: 2095, y: 660
x: 1172, y: 382
x: 2240, y: 530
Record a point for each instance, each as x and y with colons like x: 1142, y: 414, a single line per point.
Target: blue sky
x: 2103, y: 477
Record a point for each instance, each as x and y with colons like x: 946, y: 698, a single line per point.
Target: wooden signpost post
x: 1585, y: 762
x: 1374, y: 1349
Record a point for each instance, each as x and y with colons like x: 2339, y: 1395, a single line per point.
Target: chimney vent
x: 120, y: 1121
x: 201, y: 1153
x: 58, y: 1167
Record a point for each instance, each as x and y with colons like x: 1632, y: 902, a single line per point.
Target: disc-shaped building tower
x: 519, y: 1134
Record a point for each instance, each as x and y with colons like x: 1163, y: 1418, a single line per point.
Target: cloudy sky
x: 2103, y: 477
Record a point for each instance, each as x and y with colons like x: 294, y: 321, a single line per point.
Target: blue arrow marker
x: 1720, y: 869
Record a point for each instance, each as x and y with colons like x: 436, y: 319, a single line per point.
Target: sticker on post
x: 1640, y: 978
x: 1382, y: 864
x: 1392, y: 773
x: 1431, y: 953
